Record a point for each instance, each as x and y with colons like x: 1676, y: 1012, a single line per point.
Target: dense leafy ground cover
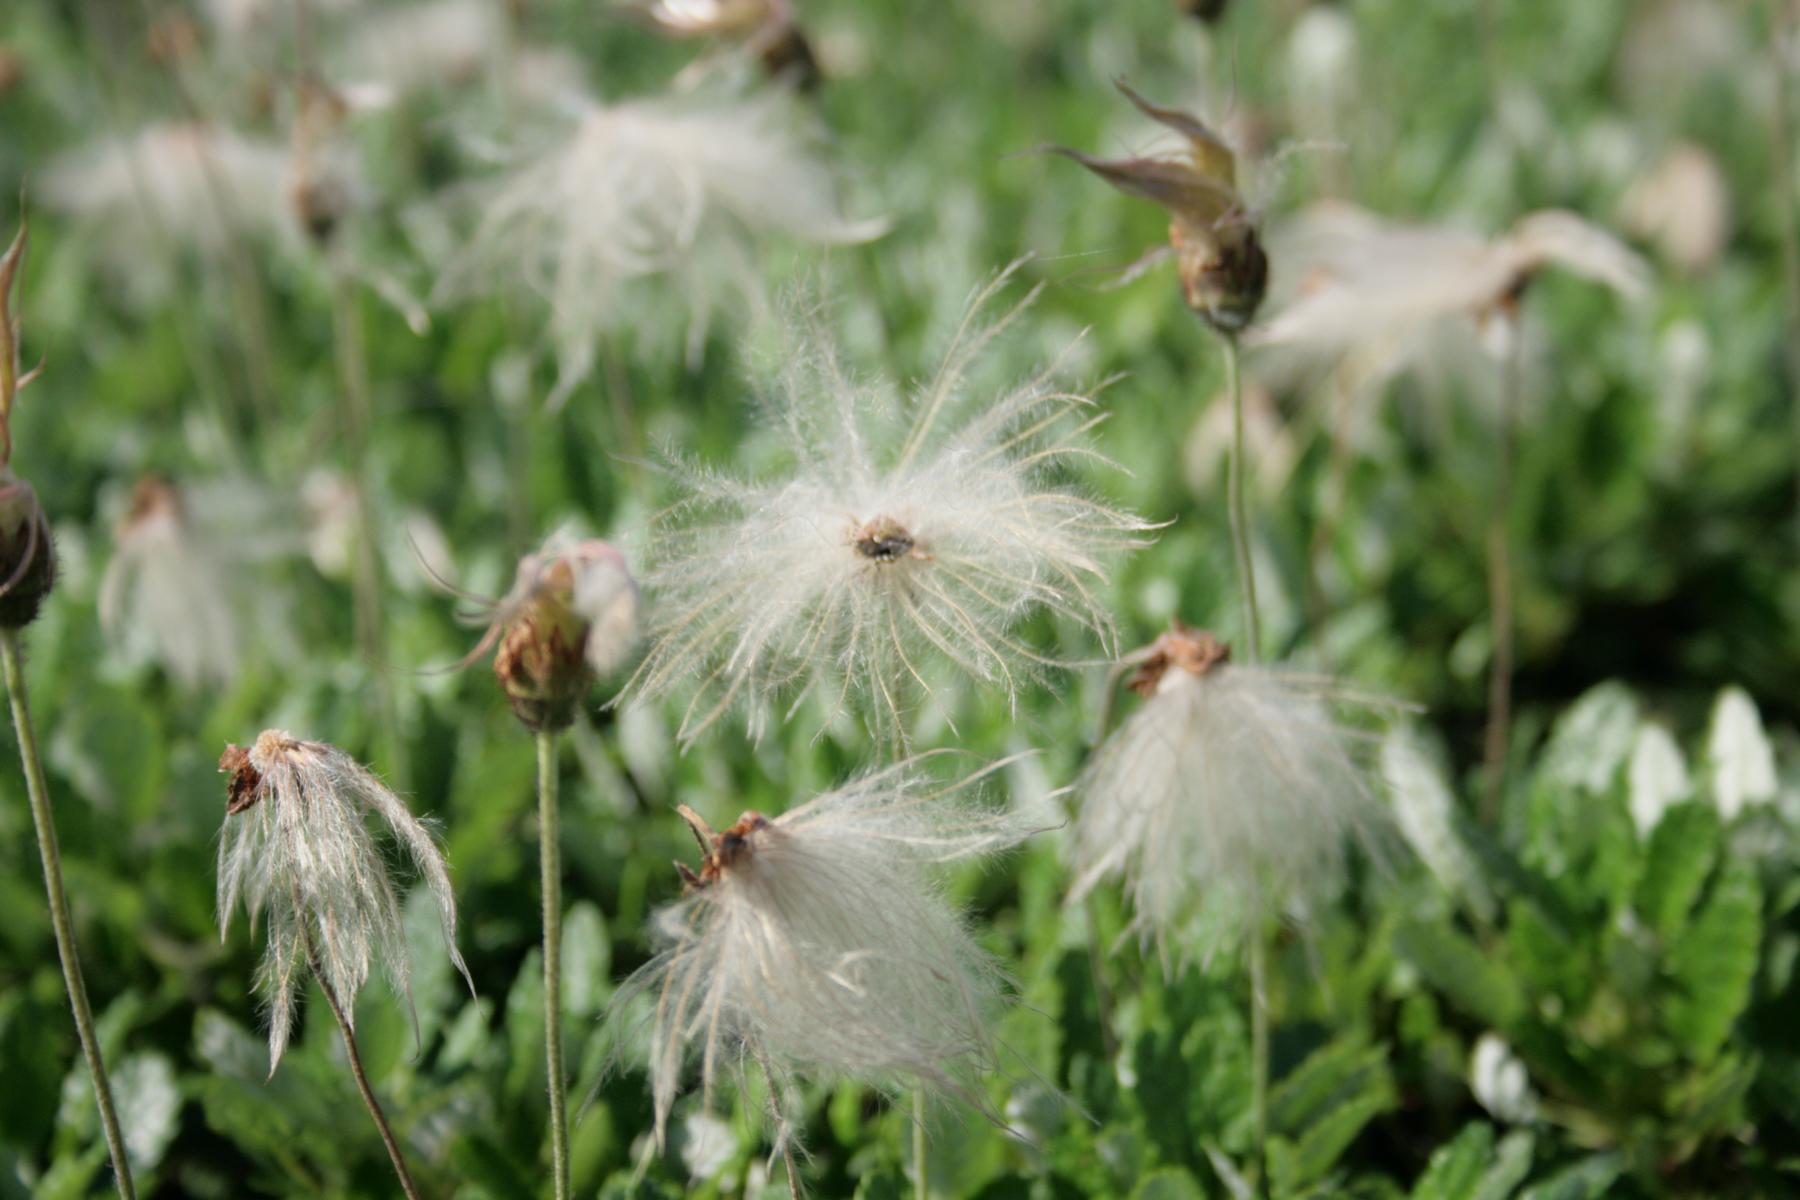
x: 1589, y: 993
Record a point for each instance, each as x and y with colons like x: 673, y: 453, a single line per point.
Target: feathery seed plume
x: 814, y: 945
x: 897, y: 537
x: 1231, y: 792
x: 680, y: 187
x: 297, y: 849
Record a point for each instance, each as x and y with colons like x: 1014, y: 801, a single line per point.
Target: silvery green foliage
x: 895, y: 539
x: 1738, y: 755
x: 819, y: 947
x: 1236, y: 789
x: 681, y: 187
x: 302, y: 856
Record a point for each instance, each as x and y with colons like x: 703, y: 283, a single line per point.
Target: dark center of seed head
x: 884, y: 540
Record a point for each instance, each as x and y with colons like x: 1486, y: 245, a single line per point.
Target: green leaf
x: 1677, y: 862
x: 525, y: 1034
x: 586, y: 961
x: 1586, y: 1180
x: 1170, y: 1183
x: 1592, y: 740
x: 1344, y: 1070
x: 1457, y: 1167
x: 1426, y: 809
x: 1713, y: 963
x: 1456, y: 967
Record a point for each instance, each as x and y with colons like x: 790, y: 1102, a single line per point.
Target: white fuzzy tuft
x: 885, y: 544
x: 302, y: 854
x: 681, y: 187
x: 182, y: 589
x: 822, y: 950
x: 1357, y: 284
x: 1232, y: 794
x: 185, y: 182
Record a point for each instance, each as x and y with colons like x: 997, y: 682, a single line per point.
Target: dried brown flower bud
x: 541, y: 661
x: 173, y: 39
x: 12, y: 69
x: 1210, y: 11
x: 27, y: 559
x: 1212, y: 231
x: 318, y: 190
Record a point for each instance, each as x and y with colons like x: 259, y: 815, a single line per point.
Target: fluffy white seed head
x: 1358, y: 285
x: 680, y: 187
x: 897, y: 539
x: 1374, y: 299
x: 1231, y: 794
x: 297, y: 850
x: 182, y: 588
x: 191, y: 183
x: 814, y: 945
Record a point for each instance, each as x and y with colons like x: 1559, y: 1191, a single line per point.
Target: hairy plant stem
x: 1500, y: 589
x: 550, y: 866
x: 1259, y: 1052
x: 1246, y: 570
x: 60, y: 925
x: 356, y: 1069
x: 356, y: 413
x: 921, y: 1186
x: 1240, y: 523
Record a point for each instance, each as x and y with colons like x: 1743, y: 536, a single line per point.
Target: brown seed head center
x: 884, y: 540
x: 244, y: 788
x: 720, y: 852
x: 1193, y: 650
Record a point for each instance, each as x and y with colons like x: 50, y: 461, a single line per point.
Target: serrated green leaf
x: 1457, y: 1167
x: 1170, y: 1183
x: 1714, y: 961
x: 1586, y: 1180
x: 1457, y: 968
x: 1295, y: 1165
x: 1345, y: 1070
x: 1677, y: 862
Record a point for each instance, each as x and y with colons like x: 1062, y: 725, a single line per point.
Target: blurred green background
x: 1642, y: 978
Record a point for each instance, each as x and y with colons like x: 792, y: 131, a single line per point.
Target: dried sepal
x: 1223, y: 269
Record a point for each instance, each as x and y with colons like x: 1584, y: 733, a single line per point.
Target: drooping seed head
x: 27, y: 558
x: 297, y: 849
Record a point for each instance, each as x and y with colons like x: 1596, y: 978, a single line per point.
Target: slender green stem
x: 1500, y: 589
x: 1259, y: 1051
x: 1240, y: 524
x: 1787, y: 211
x: 362, y: 1076
x: 921, y: 1186
x: 357, y: 415
x: 550, y: 862
x: 60, y: 924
